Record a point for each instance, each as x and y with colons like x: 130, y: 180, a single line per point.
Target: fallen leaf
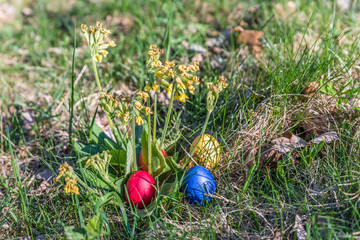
x: 249, y: 37
x: 311, y: 89
x: 326, y: 137
x: 288, y: 143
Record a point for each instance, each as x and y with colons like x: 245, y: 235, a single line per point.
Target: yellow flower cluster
x: 70, y: 186
x: 98, y: 40
x: 170, y: 77
x: 213, y: 93
x: 220, y: 86
x: 70, y: 178
x: 100, y: 162
x: 124, y: 108
x: 116, y: 106
x: 141, y: 98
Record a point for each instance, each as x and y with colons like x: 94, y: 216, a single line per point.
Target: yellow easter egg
x: 207, y: 152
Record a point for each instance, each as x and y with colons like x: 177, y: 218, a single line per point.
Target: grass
x: 315, y: 189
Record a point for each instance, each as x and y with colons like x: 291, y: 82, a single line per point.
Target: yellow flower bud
x: 112, y: 43
x: 181, y: 98
x: 196, y: 80
x: 169, y: 90
x: 104, y: 52
x: 171, y: 73
x: 155, y: 87
x: 158, y: 74
x: 98, y: 58
x: 147, y: 88
x: 147, y: 110
x: 138, y: 105
x: 125, y: 117
x: 179, y: 83
x: 142, y: 95
x: 139, y: 120
x: 170, y: 64
x: 83, y: 28
x: 191, y: 89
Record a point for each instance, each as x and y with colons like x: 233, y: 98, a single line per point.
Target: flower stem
x: 96, y: 75
x: 168, y: 117
x: 133, y: 144
x: 155, y: 113
x: 149, y: 140
x: 100, y: 89
x: 122, y: 139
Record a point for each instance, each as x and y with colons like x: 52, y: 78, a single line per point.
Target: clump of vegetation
x: 79, y: 134
x: 105, y: 173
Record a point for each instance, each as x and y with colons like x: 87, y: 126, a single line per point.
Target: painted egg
x: 208, y: 152
x: 142, y: 164
x: 140, y: 188
x: 197, y: 184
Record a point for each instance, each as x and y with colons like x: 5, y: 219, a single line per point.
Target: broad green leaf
x: 87, y: 150
x: 95, y: 180
x: 144, y: 145
x: 129, y: 158
x: 102, y: 201
x: 158, y: 163
x: 72, y: 233
x: 95, y: 229
x: 138, y: 133
x: 118, y: 158
x: 99, y: 137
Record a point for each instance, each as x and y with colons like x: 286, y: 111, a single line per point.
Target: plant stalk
x: 100, y: 89
x: 149, y: 139
x: 133, y: 144
x: 155, y: 113
x: 168, y: 117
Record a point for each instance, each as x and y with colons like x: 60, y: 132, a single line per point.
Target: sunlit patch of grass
x: 315, y: 43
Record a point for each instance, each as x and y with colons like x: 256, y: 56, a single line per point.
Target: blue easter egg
x: 197, y: 183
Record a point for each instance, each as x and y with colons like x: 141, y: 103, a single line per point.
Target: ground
x: 288, y: 123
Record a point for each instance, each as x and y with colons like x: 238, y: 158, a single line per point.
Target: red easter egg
x: 140, y: 189
x: 142, y: 165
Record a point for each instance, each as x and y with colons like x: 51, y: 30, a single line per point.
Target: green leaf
x: 94, y: 229
x: 119, y: 158
x: 99, y: 137
x: 144, y: 145
x: 129, y: 157
x: 87, y: 150
x: 138, y: 133
x: 171, y: 187
x: 95, y: 180
x: 158, y: 163
x: 173, y: 164
x: 103, y: 201
x: 72, y: 233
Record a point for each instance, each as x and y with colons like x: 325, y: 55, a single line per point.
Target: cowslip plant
x: 105, y: 165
